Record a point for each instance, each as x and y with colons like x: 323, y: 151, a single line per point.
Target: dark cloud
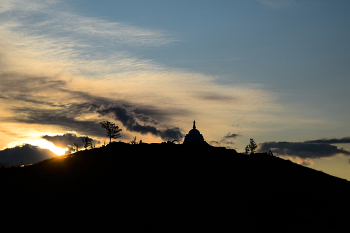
x: 67, y: 140
x: 65, y: 119
x: 25, y: 154
x: 226, y: 140
x: 128, y: 119
x: 45, y: 100
x: 23, y: 84
x: 231, y: 136
x: 331, y: 140
x: 171, y: 134
x: 302, y: 149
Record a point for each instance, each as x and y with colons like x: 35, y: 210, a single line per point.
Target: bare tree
x: 133, y: 141
x: 112, y: 130
x: 87, y: 142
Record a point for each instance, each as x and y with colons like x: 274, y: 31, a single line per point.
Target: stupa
x: 194, y: 135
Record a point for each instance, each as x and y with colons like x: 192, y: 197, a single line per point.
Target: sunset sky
x: 276, y: 71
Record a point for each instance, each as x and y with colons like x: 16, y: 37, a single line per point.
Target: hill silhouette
x: 172, y: 188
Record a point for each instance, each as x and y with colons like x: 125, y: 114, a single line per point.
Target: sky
x: 272, y: 70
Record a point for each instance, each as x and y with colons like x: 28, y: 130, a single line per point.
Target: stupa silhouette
x: 194, y: 136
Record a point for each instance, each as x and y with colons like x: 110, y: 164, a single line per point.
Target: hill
x: 172, y: 188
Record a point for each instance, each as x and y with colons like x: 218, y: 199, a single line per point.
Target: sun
x: 48, y: 145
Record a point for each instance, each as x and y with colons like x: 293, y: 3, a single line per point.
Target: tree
x: 112, y: 130
x: 75, y: 146
x: 87, y: 142
x: 251, y: 147
x: 133, y: 141
x: 247, y: 149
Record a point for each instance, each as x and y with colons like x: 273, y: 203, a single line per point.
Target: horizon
x: 274, y: 71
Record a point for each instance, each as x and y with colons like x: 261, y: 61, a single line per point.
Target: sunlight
x: 48, y: 145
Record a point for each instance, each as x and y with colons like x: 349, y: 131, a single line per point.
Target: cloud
x: 331, y: 140
x: 45, y: 34
x: 58, y: 117
x: 68, y: 118
x: 25, y: 154
x: 49, y: 101
x: 231, y: 136
x: 303, y: 151
x: 215, y: 97
x: 67, y: 140
x: 226, y: 140
x: 61, y: 71
x: 74, y: 104
x: 51, y: 35
x: 56, y: 21
x: 128, y: 119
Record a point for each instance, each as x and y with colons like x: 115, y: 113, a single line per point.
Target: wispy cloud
x: 226, y: 141
x: 62, y: 40
x: 51, y: 19
x: 215, y: 97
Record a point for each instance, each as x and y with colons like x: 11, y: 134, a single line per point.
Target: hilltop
x: 173, y: 187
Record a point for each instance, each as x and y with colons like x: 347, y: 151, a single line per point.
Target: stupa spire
x: 194, y: 135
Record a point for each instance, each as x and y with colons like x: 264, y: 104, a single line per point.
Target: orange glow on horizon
x: 43, y: 144
x: 49, y: 145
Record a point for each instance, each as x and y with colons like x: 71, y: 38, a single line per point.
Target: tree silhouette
x: 247, y: 149
x: 133, y: 141
x: 75, y: 146
x: 87, y: 142
x: 251, y: 147
x: 112, y: 130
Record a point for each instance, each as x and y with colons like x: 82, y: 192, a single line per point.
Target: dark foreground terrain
x: 171, y: 188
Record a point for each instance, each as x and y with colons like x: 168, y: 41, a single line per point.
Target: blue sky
x: 275, y: 71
